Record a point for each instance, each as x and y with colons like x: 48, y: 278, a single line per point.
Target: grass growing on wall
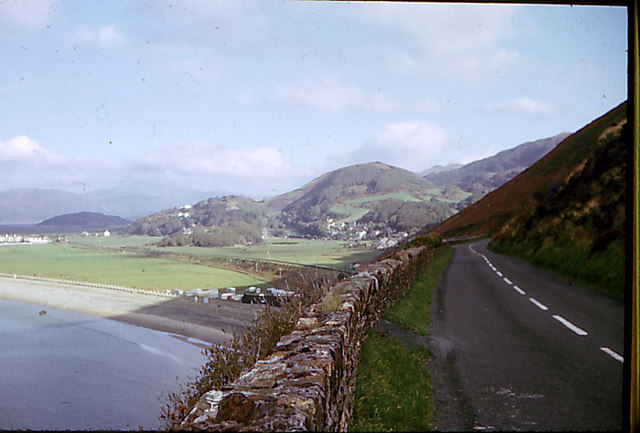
x: 393, y: 386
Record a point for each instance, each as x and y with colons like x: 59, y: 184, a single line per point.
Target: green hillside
x: 376, y: 194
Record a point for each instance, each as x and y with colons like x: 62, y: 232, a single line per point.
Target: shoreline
x: 213, y: 323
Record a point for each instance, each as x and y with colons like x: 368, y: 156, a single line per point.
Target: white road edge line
x: 508, y: 281
x: 612, y: 354
x: 571, y: 326
x: 538, y: 304
x: 518, y: 289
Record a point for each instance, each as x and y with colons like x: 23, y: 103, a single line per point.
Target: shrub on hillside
x: 430, y: 239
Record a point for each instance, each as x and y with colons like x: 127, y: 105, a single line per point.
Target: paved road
x: 517, y: 348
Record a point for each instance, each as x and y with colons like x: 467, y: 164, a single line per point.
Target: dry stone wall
x: 308, y: 383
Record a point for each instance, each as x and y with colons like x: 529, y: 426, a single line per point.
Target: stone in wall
x: 308, y: 383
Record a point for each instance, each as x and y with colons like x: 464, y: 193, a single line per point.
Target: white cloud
x: 204, y: 159
x: 259, y: 171
x: 463, y: 40
x: 27, y: 14
x: 330, y: 96
x: 522, y: 105
x: 412, y: 145
x: 104, y: 37
x: 24, y: 150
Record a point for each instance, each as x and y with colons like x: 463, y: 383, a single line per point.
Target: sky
x: 260, y: 97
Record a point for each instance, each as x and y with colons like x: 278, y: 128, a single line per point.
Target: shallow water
x: 64, y: 370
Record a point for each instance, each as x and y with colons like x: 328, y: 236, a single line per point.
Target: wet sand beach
x: 215, y: 322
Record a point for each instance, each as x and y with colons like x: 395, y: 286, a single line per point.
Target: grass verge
x: 412, y: 311
x: 392, y: 391
x: 603, y: 271
x: 393, y: 387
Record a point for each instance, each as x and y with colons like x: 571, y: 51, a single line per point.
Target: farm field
x: 327, y: 253
x: 114, y: 267
x: 105, y: 263
x: 397, y: 195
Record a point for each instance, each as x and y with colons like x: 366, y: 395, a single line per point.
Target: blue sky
x: 259, y: 97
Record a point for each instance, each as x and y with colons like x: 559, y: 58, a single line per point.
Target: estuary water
x: 64, y: 370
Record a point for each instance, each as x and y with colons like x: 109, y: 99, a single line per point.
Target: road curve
x: 518, y: 348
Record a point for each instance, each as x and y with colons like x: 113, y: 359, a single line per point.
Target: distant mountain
x: 566, y: 211
x: 31, y: 205
x: 134, y: 200
x: 86, y: 221
x: 440, y: 169
x: 480, y: 177
x: 23, y: 206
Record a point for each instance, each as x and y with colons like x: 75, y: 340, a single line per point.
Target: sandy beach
x: 213, y: 323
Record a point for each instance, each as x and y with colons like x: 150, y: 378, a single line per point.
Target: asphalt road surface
x: 517, y: 348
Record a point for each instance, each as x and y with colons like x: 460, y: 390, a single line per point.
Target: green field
x: 353, y: 213
x: 106, y: 263
x: 113, y: 267
x: 399, y: 195
x: 113, y: 241
x: 328, y: 253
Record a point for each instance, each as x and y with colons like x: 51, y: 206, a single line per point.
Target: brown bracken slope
x: 489, y: 215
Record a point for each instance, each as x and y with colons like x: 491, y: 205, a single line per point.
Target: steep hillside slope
x: 487, y: 216
x: 567, y: 211
x: 480, y: 177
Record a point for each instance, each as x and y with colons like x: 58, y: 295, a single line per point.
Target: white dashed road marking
x: 577, y: 330
x: 612, y: 354
x: 519, y: 290
x: 571, y: 326
x: 538, y: 304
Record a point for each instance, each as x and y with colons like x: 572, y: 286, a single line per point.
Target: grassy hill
x: 565, y: 212
x: 218, y: 221
x: 374, y: 193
